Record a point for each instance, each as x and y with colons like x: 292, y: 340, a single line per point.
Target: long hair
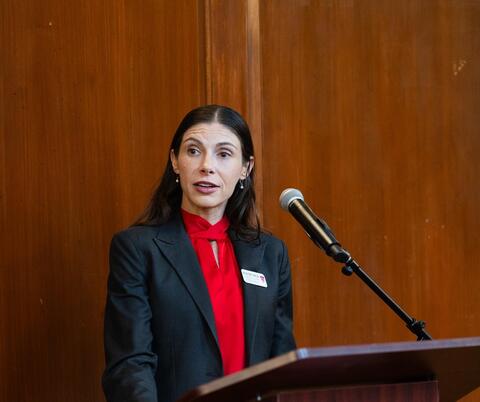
x: 167, y: 197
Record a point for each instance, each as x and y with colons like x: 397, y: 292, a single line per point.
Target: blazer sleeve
x: 130, y: 363
x: 283, y: 340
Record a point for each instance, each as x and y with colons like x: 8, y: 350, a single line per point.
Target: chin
x: 207, y: 204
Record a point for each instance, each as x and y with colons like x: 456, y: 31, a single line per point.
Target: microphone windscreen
x: 288, y: 195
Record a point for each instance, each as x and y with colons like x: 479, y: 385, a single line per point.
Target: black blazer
x: 160, y: 337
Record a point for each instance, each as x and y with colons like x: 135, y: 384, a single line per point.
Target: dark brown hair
x: 240, y: 209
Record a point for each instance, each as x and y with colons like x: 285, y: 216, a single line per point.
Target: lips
x: 205, y: 187
x: 205, y: 184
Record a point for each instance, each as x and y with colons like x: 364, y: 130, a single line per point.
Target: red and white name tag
x: 254, y: 278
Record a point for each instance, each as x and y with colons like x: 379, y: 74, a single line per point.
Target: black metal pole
x: 417, y: 327
x: 322, y: 236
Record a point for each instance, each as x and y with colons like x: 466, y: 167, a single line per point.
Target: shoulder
x: 275, y: 248
x: 144, y: 235
x: 270, y: 245
x: 271, y: 241
x: 137, y: 232
x: 265, y: 241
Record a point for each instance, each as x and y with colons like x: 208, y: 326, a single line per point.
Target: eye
x: 224, y: 154
x: 193, y: 151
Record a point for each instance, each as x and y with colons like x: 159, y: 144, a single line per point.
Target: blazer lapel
x: 249, y: 256
x: 175, y: 245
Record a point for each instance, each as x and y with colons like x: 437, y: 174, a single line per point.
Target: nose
x: 207, y: 166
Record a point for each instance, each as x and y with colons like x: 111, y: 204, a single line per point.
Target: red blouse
x: 224, y: 286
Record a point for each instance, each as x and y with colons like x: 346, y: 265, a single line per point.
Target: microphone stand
x: 342, y: 256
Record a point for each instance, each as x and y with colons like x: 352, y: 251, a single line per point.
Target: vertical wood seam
x: 208, y: 51
x: 201, y: 52
x: 254, y: 93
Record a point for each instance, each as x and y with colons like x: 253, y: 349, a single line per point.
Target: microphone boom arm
x: 292, y: 200
x: 417, y: 327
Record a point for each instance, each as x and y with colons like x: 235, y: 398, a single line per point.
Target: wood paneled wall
x: 381, y: 134
x: 91, y: 93
x: 369, y: 107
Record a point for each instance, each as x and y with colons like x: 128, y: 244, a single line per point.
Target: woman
x: 196, y: 290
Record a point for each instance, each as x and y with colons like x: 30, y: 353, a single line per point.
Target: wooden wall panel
x: 91, y: 93
x: 368, y: 107
x: 233, y: 66
x: 371, y: 109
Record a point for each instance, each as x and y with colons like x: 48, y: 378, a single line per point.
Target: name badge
x: 254, y: 278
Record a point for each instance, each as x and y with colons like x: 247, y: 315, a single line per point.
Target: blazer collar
x: 173, y: 241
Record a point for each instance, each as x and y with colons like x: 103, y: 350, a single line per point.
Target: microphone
x: 291, y: 200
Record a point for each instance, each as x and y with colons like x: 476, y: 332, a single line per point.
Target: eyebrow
x: 220, y: 144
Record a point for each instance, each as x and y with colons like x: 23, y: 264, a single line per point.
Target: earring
x: 177, y: 179
x: 241, y: 185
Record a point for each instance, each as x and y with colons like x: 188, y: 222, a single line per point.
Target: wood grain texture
x: 233, y: 66
x: 370, y: 108
x: 412, y: 392
x: 454, y: 364
x: 91, y: 93
x: 226, y: 28
x: 382, y: 149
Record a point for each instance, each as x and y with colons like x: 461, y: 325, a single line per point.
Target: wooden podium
x: 440, y: 370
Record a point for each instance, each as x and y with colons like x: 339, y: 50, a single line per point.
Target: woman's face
x: 209, y: 164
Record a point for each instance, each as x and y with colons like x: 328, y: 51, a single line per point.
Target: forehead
x: 211, y: 133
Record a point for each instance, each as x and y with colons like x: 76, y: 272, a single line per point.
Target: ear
x: 174, y: 161
x: 247, y: 167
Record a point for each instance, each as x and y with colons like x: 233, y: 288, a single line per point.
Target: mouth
x: 205, y: 184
